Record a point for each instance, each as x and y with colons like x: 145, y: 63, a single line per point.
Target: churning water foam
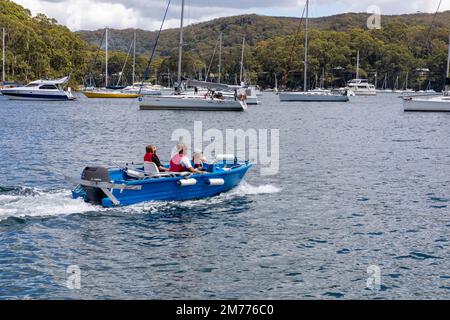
x: 247, y: 189
x: 33, y: 202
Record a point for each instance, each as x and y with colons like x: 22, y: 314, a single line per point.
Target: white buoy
x: 215, y: 182
x: 187, y: 182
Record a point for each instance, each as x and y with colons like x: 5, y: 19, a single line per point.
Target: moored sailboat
x: 110, y: 92
x: 210, y: 101
x: 439, y: 103
x: 310, y: 96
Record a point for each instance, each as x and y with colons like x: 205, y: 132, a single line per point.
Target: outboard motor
x: 98, y: 174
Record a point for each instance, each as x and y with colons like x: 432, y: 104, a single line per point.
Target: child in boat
x: 180, y: 162
x: 198, y: 159
x: 151, y: 156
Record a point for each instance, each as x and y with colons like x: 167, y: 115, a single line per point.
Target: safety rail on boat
x: 140, y: 174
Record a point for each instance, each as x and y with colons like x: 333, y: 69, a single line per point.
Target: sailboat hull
x: 110, y: 95
x: 312, y: 97
x: 189, y: 103
x: 423, y: 104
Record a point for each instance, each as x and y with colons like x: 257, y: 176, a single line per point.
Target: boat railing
x: 141, y: 174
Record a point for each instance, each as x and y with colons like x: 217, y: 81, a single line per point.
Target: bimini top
x: 54, y: 82
x: 358, y: 81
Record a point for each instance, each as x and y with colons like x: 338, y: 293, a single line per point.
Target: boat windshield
x: 48, y: 87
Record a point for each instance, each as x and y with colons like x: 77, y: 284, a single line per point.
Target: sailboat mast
x: 3, y: 55
x: 106, y: 57
x: 180, y: 49
x: 357, y: 65
x: 168, y: 78
x: 134, y: 57
x: 376, y: 79
x: 242, y: 61
x: 322, y: 81
x: 448, y: 59
x: 305, y: 76
x: 447, y: 87
x: 406, y: 81
x: 220, y: 58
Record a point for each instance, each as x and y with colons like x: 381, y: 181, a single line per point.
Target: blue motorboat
x: 129, y: 185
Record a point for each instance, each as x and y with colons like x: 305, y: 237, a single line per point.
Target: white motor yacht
x: 46, y: 90
x: 361, y: 87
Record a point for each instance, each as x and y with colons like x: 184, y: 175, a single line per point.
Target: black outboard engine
x: 97, y: 174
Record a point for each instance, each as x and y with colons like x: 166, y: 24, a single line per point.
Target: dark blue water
x: 360, y: 184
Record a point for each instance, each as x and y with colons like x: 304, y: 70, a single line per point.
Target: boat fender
x: 187, y: 182
x: 215, y: 182
x: 225, y: 157
x: 135, y: 174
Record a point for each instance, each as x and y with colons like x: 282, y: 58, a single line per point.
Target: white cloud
x: 389, y: 6
x: 147, y: 14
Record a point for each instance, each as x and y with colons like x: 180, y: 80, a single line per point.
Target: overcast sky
x: 147, y: 14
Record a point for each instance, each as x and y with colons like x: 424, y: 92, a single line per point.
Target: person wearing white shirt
x: 180, y: 162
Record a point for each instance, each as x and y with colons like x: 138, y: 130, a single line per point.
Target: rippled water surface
x: 360, y: 184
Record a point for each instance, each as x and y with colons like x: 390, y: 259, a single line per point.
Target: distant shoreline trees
x: 38, y: 47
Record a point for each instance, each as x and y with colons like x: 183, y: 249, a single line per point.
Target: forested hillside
x: 40, y: 47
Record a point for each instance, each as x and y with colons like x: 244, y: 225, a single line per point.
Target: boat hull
x: 252, y: 101
x: 311, y: 97
x: 364, y: 93
x: 191, y: 104
x: 111, y: 95
x: 16, y: 95
x: 440, y: 104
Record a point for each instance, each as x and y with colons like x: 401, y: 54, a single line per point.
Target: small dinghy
x: 111, y: 187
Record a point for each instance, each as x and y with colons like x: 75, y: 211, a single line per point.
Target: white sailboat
x: 106, y: 92
x: 407, y: 90
x: 250, y: 91
x: 439, y: 103
x: 207, y: 102
x: 384, y: 89
x: 311, y: 96
x: 142, y: 88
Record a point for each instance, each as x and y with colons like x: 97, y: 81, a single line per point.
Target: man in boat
x: 180, y: 162
x: 151, y: 156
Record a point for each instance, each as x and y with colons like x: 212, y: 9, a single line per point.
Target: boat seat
x: 150, y: 168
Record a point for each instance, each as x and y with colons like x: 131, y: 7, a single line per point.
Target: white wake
x: 33, y: 202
